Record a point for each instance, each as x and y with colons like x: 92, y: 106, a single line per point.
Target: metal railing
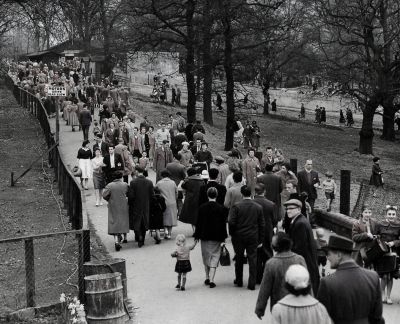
x: 68, y: 187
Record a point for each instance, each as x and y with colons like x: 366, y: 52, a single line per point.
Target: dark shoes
x: 251, y: 287
x: 140, y: 244
x: 158, y: 241
x: 117, y: 247
x: 182, y: 288
x: 212, y: 285
x: 207, y: 282
x: 178, y: 286
x: 125, y: 241
x: 238, y: 283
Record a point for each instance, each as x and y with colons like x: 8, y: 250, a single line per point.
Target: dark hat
x: 293, y: 202
x: 99, y: 136
x: 339, y: 243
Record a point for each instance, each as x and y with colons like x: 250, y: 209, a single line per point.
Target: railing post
x: 81, y: 279
x: 345, y: 181
x: 30, y: 273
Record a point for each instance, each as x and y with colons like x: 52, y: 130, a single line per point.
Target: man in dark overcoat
x: 212, y: 182
x: 140, y: 195
x: 352, y: 294
x: 271, y: 220
x: 246, y: 226
x: 273, y: 185
x: 300, y: 232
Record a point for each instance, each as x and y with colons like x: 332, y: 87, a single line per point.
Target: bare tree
x: 359, y: 40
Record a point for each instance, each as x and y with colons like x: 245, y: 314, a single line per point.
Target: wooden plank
x: 39, y: 236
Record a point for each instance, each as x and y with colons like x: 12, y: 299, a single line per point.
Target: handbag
x: 387, y: 263
x: 377, y: 250
x: 225, y: 258
x: 76, y: 171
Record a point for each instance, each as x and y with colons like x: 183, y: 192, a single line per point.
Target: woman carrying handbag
x: 386, y: 266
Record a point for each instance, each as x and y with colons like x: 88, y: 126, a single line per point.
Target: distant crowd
x: 258, y: 200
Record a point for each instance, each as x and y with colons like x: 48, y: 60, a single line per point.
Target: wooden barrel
x: 104, y: 299
x: 107, y: 266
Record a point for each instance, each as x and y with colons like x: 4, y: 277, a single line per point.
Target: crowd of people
x: 257, y: 200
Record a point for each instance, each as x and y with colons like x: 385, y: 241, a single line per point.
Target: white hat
x: 297, y: 276
x: 204, y: 174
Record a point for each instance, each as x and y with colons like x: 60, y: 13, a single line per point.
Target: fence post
x: 345, y: 179
x: 293, y: 165
x: 81, y: 279
x: 30, y: 273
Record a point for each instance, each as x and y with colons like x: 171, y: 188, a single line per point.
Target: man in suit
x: 271, y: 220
x: 85, y: 119
x: 113, y: 162
x: 301, y: 233
x: 136, y: 144
x: 268, y: 159
x: 247, y: 227
x: 196, y: 147
x: 273, y: 185
x: 308, y: 182
x: 140, y: 194
x: 162, y: 156
x: 100, y: 144
x: 351, y: 294
x: 204, y: 155
x: 212, y: 182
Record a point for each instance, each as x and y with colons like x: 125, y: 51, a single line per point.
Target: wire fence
x: 67, y: 184
x: 37, y: 268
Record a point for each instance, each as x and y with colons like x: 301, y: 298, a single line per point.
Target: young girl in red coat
x: 182, y: 255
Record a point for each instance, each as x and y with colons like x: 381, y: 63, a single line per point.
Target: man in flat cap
x: 300, y: 232
x: 352, y: 294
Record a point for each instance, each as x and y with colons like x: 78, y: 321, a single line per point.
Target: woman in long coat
x: 376, y: 176
x: 73, y: 116
x: 169, y: 191
x: 250, y: 167
x: 118, y: 212
x: 192, y: 186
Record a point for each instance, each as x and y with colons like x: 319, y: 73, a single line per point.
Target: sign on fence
x: 56, y: 91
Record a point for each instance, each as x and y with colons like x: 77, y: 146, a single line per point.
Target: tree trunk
x: 108, y: 64
x: 207, y: 66
x: 389, y: 111
x: 230, y: 84
x: 367, y: 132
x: 190, y: 64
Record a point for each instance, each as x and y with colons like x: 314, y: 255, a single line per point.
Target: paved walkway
x: 151, y: 276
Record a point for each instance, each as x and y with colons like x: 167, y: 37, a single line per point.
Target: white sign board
x: 56, y: 91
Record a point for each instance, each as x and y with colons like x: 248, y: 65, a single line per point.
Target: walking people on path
x: 85, y: 119
x: 84, y: 156
x: 376, y: 179
x: 98, y: 176
x: 299, y: 306
x: 388, y: 265
x: 301, y: 233
x: 169, y: 191
x: 272, y: 285
x: 140, y: 195
x: 182, y: 255
x: 118, y: 214
x: 362, y: 236
x: 211, y: 230
x: 247, y: 228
